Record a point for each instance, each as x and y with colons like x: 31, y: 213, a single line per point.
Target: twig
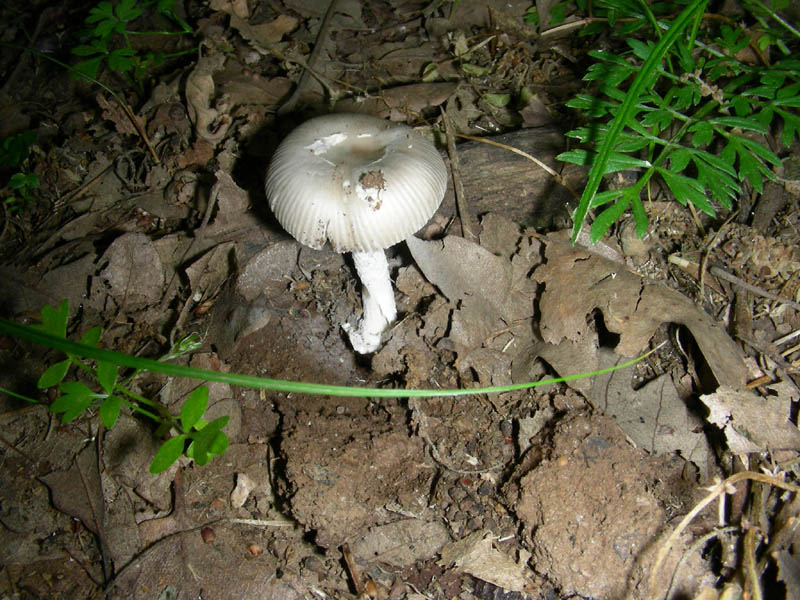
x: 709, y: 247
x: 311, y: 64
x: 467, y: 231
x: 352, y: 568
x: 716, y: 271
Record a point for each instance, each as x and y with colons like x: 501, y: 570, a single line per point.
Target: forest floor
x: 569, y: 490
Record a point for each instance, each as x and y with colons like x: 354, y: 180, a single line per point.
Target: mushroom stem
x: 378, y: 300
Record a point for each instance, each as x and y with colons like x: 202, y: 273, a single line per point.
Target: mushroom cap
x: 357, y: 181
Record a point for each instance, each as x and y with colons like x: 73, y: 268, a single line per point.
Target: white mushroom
x: 362, y: 184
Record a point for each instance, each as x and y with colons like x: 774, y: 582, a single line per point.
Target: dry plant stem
x: 311, y: 64
x: 720, y: 489
x: 710, y: 246
x: 750, y: 543
x: 352, y: 568
x: 467, y: 231
x: 699, y: 543
x: 717, y: 272
x: 533, y: 159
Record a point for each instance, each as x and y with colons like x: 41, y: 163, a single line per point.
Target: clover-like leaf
x: 54, y: 320
x: 109, y: 411
x: 107, y: 376
x: 194, y: 407
x: 53, y: 374
x: 76, y: 397
x: 168, y: 453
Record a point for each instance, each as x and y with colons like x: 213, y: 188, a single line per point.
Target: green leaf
x: 678, y: 159
x: 107, y: 376
x: 109, y: 411
x: 203, y: 439
x: 644, y: 76
x: 92, y: 337
x: 608, y: 217
x: 615, y: 162
x: 127, y: 10
x: 499, y: 100
x: 101, y: 12
x: 605, y: 197
x: 741, y: 123
x: 703, y: 133
x: 54, y: 374
x: 169, y: 452
x: 791, y: 127
x: 686, y: 189
x: 741, y: 105
x: 89, y: 68
x: 23, y: 181
x: 54, y: 320
x: 475, y: 70
x: 121, y: 60
x: 639, y: 217
x: 658, y: 118
x: 76, y: 397
x: 194, y: 407
x: 640, y: 49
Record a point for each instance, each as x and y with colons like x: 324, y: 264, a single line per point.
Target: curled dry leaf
x: 211, y: 123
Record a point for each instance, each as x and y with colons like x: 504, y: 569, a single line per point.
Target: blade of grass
x: 278, y: 385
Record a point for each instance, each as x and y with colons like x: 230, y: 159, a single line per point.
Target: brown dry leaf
x: 78, y: 492
x: 399, y: 102
x: 134, y: 275
x: 476, y: 555
x: 653, y: 416
x: 577, y: 282
x: 752, y: 423
x: 465, y: 271
x: 243, y: 87
x: 232, y: 7
x: 113, y: 112
x: 265, y: 34
x: 209, y: 272
x: 566, y: 358
x: 401, y: 543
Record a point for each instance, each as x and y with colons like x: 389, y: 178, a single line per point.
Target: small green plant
x: 680, y: 108
x: 14, y: 152
x: 196, y: 438
x: 110, y: 37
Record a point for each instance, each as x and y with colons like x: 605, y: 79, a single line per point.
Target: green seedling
x: 14, y: 152
x: 679, y: 108
x: 194, y: 437
x: 108, y: 393
x: 110, y: 33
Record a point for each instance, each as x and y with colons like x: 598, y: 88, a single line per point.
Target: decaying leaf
x: 752, y: 423
x: 401, y: 543
x: 577, y: 282
x: 134, y: 274
x: 114, y: 112
x: 265, y: 34
x: 653, y: 416
x: 476, y: 555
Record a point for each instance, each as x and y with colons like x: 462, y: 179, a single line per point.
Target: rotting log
x: 498, y: 180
